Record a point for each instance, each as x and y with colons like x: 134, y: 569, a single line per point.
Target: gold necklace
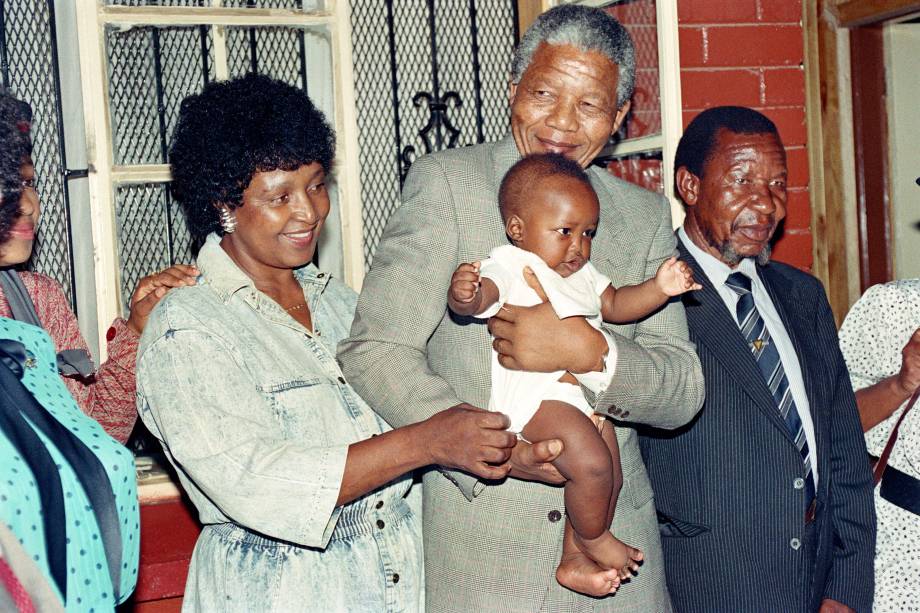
x: 296, y: 307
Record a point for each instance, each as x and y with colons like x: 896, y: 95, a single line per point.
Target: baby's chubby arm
x: 469, y: 293
x: 633, y: 302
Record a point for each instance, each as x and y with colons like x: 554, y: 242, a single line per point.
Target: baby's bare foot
x: 579, y: 573
x: 610, y: 552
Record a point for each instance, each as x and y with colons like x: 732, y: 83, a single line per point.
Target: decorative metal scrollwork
x: 438, y: 125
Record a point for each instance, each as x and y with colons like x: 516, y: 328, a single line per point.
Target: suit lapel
x: 712, y: 325
x: 611, y: 224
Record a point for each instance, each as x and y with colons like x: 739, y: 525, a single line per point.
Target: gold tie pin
x: 758, y: 343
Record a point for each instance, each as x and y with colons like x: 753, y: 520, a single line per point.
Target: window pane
x: 638, y: 17
x: 152, y: 233
x: 413, y: 98
x: 151, y: 69
x: 643, y: 169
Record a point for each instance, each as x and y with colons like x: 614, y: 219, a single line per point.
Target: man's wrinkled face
x: 565, y: 103
x: 734, y: 209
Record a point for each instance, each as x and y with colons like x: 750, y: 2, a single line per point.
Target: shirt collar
x: 716, y: 269
x: 223, y: 275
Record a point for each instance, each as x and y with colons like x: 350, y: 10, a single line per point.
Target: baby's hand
x: 464, y: 284
x: 675, y: 277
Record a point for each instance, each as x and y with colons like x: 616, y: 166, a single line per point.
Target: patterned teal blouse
x: 89, y: 587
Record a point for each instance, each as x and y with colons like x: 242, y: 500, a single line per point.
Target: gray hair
x: 585, y: 28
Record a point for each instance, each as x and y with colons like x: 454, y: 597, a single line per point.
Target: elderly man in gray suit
x: 494, y: 546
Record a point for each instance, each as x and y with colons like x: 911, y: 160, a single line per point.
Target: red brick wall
x: 750, y: 53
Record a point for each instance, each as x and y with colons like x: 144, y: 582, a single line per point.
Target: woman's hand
x: 152, y: 288
x: 909, y: 375
x: 470, y: 439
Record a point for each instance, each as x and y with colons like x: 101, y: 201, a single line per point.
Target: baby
x: 551, y: 214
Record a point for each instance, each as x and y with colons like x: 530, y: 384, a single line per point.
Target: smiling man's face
x: 565, y: 103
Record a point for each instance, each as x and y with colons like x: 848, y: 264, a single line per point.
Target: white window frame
x: 670, y: 97
x: 105, y: 177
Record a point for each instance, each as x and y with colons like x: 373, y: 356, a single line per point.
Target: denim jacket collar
x: 226, y: 279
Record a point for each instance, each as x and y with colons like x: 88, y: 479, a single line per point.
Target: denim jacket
x: 256, y: 416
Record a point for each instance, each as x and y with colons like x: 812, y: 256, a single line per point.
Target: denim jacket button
x: 554, y: 516
x: 379, y: 504
x: 380, y: 524
x: 342, y: 380
x: 395, y: 577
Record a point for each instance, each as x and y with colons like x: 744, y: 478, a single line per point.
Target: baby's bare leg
x: 610, y: 439
x: 584, y: 462
x: 587, y: 465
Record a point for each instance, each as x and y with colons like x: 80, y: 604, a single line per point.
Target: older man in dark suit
x: 765, y: 499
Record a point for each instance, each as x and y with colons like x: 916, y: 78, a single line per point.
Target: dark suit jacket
x: 734, y: 532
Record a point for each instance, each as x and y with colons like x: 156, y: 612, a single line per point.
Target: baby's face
x: 559, y: 223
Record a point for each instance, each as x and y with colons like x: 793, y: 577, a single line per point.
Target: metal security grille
x: 428, y: 76
x: 28, y: 59
x: 639, y: 17
x: 277, y: 52
x: 151, y: 69
x: 152, y: 232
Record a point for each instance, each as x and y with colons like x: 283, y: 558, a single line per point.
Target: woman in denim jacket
x: 299, y: 484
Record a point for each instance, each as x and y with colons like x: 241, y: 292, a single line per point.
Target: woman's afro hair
x: 15, y: 122
x: 233, y: 129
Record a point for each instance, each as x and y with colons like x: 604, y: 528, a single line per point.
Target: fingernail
x: 555, y: 447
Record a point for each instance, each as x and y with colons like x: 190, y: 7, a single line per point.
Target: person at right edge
x: 494, y: 545
x: 765, y: 500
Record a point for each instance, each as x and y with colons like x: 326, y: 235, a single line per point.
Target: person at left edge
x: 67, y: 490
x: 106, y: 394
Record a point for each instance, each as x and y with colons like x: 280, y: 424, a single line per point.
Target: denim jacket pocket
x: 303, y: 407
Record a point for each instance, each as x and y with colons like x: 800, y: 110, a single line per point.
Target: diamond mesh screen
x: 273, y: 51
x: 159, y: 2
x: 151, y: 70
x: 30, y: 73
x: 394, y: 60
x: 151, y: 231
x: 639, y: 18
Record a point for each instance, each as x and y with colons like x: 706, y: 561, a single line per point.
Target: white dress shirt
x: 718, y: 272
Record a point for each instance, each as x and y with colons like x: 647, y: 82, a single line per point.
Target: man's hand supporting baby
x: 470, y: 294
x: 535, y: 339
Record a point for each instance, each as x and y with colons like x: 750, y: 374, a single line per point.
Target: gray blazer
x: 495, y: 546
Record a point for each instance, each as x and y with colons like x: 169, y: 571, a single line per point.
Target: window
x: 137, y: 64
x: 642, y: 152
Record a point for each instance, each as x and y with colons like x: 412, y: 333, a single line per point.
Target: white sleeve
x: 491, y: 268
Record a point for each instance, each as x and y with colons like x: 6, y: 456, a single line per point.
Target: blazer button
x: 795, y: 544
x: 799, y: 483
x: 625, y: 414
x: 614, y: 411
x: 554, y: 516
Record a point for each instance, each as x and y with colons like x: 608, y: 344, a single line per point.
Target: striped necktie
x: 754, y: 329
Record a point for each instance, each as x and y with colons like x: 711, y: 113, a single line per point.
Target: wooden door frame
x: 849, y: 202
